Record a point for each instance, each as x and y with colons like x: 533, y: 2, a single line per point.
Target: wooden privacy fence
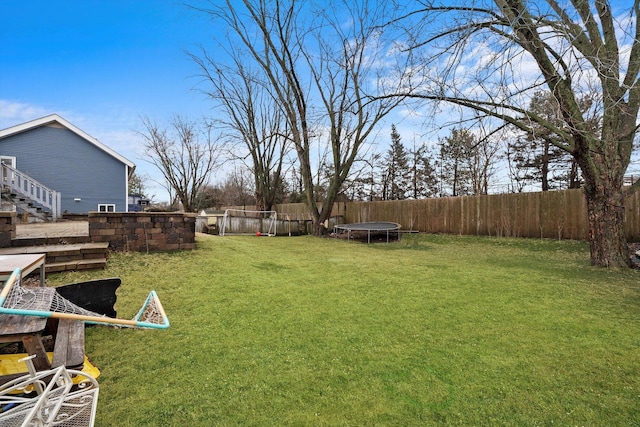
x: 549, y: 214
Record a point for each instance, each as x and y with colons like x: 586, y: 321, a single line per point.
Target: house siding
x: 67, y: 163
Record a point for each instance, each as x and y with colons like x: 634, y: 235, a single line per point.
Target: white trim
x: 6, y: 206
x: 126, y: 196
x: 12, y: 158
x: 53, y: 118
x: 107, y: 205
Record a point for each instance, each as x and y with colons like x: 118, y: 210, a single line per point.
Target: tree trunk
x: 574, y: 177
x: 544, y: 167
x: 319, y: 229
x: 607, y: 240
x: 260, y: 202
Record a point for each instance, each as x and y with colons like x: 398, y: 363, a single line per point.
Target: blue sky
x: 100, y: 65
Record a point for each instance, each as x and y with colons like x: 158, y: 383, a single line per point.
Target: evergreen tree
x: 535, y: 154
x: 397, y: 177
x: 423, y: 173
x: 456, y: 151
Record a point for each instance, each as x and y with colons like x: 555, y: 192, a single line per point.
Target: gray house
x: 50, y: 158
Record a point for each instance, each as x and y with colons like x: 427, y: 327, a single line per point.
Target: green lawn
x: 432, y: 330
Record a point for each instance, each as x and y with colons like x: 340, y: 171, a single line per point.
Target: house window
x: 8, y: 160
x: 106, y: 208
x: 8, y: 178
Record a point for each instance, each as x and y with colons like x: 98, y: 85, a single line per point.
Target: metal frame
x: 57, y: 402
x: 369, y: 227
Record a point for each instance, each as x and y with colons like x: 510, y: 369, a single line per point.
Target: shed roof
x: 55, y: 118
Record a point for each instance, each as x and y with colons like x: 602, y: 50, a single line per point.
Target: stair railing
x: 21, y: 184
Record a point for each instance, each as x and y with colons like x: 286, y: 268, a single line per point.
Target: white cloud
x: 116, y: 132
x: 14, y: 113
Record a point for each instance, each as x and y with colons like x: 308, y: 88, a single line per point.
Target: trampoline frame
x: 375, y: 227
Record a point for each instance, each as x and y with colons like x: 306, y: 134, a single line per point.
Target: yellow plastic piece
x: 10, y: 365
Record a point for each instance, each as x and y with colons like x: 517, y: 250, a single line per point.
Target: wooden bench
x: 68, y: 349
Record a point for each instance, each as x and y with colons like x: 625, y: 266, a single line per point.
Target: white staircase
x: 29, y: 195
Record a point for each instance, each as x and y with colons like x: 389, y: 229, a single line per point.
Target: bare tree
x: 483, y: 159
x: 237, y: 190
x: 573, y: 48
x: 253, y: 117
x: 185, y: 155
x: 136, y: 184
x: 324, y: 74
x: 363, y: 183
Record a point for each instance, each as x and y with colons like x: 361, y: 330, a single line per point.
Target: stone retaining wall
x: 8, y: 221
x: 143, y: 231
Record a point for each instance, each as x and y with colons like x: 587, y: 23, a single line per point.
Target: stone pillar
x: 8, y: 221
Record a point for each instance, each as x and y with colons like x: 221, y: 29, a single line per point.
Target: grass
x: 432, y: 330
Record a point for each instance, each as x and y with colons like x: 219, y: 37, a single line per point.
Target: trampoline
x: 378, y: 230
